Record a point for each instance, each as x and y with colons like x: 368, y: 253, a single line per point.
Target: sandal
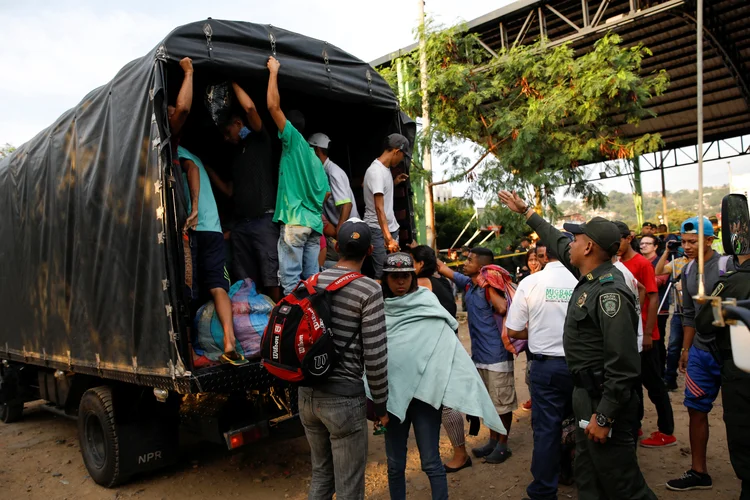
x: 233, y: 358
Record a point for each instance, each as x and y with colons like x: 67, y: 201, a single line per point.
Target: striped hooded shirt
x: 357, y: 309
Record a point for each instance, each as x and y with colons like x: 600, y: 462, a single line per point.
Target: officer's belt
x: 590, y: 380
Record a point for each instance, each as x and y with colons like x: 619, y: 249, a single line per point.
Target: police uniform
x: 735, y: 383
x: 600, y: 342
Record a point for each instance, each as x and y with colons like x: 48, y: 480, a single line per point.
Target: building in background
x: 441, y: 194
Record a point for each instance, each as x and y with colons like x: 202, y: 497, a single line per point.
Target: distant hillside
x: 680, y: 205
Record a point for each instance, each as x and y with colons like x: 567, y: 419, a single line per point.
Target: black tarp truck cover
x: 90, y: 255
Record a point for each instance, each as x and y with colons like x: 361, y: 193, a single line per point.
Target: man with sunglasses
x: 670, y: 265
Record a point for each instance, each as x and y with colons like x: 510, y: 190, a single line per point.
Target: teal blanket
x: 426, y: 361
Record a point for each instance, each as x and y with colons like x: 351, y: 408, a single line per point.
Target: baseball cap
x: 623, y: 228
x: 399, y: 262
x: 690, y: 226
x: 354, y: 236
x: 319, y: 140
x: 601, y: 231
x: 398, y: 141
x: 649, y: 224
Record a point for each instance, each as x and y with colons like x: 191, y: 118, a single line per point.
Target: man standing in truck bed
x: 303, y: 187
x: 253, y: 188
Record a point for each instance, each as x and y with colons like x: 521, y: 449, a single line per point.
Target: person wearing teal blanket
x: 428, y: 368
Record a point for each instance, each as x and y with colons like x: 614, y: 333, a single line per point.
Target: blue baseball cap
x: 690, y: 226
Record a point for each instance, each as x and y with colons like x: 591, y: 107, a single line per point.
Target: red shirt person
x: 651, y: 363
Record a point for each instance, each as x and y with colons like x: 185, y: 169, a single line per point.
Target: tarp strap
x: 272, y: 39
x: 328, y: 66
x: 208, y: 31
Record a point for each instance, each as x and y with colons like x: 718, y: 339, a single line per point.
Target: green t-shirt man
x: 303, y: 183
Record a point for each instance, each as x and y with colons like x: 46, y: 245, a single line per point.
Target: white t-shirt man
x: 633, y: 285
x: 541, y: 302
x: 341, y: 193
x: 378, y: 180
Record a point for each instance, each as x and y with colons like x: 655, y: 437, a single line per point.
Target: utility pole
x: 429, y: 208
x: 699, y: 85
x: 665, y: 220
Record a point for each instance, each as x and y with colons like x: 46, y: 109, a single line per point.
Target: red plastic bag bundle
x: 496, y: 277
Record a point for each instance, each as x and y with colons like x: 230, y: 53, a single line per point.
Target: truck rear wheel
x: 11, y: 405
x: 11, y: 412
x: 97, y: 434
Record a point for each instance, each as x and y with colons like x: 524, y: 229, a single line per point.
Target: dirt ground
x: 40, y: 459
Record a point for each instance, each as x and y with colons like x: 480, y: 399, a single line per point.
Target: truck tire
x: 11, y: 412
x: 97, y: 434
x: 11, y: 406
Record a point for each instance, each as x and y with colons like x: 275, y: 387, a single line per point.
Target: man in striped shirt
x: 334, y: 413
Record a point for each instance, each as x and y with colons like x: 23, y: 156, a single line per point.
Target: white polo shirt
x: 541, y: 301
x: 341, y: 193
x: 633, y: 285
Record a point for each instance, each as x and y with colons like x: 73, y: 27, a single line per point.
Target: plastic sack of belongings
x: 250, y: 311
x: 496, y: 277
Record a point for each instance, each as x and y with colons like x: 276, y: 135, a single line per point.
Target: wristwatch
x: 604, y: 421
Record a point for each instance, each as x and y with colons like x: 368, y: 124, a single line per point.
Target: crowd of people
x: 591, y: 304
x: 283, y: 212
x: 583, y: 310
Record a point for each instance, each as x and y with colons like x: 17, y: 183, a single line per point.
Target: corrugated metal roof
x: 667, y: 28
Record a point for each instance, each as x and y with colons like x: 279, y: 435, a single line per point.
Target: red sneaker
x: 527, y: 405
x: 659, y: 440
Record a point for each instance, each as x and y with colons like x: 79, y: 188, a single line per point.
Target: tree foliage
x: 6, y: 150
x: 540, y: 112
x: 450, y: 219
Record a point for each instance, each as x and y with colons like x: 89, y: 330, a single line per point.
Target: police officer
x: 600, y: 342
x: 735, y: 383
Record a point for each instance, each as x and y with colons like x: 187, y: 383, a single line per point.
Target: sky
x: 53, y: 53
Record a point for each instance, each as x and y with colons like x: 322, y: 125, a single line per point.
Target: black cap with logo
x: 354, y: 236
x: 601, y: 231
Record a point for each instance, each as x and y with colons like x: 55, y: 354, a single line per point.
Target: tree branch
x: 469, y: 170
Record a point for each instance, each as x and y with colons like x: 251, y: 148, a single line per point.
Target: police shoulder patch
x: 607, y: 278
x: 610, y: 303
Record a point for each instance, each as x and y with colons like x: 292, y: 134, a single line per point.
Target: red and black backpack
x: 297, y: 344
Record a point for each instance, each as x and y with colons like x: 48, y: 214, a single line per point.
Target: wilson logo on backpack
x: 297, y: 345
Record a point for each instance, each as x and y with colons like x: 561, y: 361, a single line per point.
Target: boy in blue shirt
x: 209, y: 238
x: 493, y: 361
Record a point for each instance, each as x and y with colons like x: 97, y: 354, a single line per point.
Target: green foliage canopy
x: 541, y: 112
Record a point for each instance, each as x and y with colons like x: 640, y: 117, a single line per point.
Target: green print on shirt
x: 558, y: 294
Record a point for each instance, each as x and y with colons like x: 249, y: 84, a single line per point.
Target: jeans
x: 660, y: 344
x: 379, y: 252
x: 657, y: 391
x: 426, y: 421
x: 674, y: 350
x: 299, y: 249
x: 336, y: 429
x: 255, y: 248
x: 552, y: 394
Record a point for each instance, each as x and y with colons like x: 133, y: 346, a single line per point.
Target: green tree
x: 450, y: 219
x: 6, y: 150
x: 534, y: 113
